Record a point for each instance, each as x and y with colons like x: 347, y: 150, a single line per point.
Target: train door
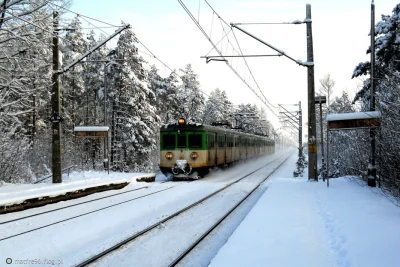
x: 225, y: 148
x: 209, y: 153
x: 211, y: 149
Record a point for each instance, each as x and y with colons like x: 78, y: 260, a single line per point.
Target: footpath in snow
x: 301, y: 223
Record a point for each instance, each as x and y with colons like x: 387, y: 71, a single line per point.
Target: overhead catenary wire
x: 264, y: 23
x: 219, y: 52
x: 173, y: 71
x: 239, y: 53
x: 39, y: 27
x: 66, y: 9
x: 251, y: 73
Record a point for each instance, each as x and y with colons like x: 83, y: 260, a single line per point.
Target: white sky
x: 340, y: 32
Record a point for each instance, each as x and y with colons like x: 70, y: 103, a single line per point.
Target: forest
x: 350, y: 150
x: 113, y: 87
x: 138, y: 100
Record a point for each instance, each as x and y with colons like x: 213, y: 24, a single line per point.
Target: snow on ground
x: 301, y: 223
x: 75, y: 240
x: 17, y: 193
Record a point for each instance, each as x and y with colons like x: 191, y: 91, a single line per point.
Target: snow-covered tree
x: 387, y: 36
x: 166, y: 91
x: 217, y: 108
x: 326, y: 87
x: 134, y: 118
x: 190, y: 97
x: 25, y: 56
x: 387, y: 98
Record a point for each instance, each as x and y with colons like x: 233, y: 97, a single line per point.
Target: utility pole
x: 300, y: 132
x: 321, y: 100
x: 105, y: 156
x: 55, y: 104
x: 312, y: 140
x: 371, y: 167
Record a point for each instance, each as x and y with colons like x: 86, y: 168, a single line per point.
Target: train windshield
x: 194, y: 140
x: 182, y: 140
x: 169, y: 140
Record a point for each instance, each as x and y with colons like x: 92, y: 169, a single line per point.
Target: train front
x: 182, y: 150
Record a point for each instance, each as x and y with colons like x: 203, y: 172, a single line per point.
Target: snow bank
x: 15, y: 194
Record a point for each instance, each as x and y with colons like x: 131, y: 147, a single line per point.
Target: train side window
x: 169, y: 140
x: 210, y: 141
x: 221, y: 141
x: 182, y: 140
x: 195, y: 140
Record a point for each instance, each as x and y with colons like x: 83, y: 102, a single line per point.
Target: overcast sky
x: 340, y: 32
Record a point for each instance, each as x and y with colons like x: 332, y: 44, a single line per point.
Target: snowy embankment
x: 11, y: 194
x: 301, y: 223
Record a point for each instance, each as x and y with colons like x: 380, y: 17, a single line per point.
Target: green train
x: 190, y: 150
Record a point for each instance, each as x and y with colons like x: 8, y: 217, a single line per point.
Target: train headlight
x: 169, y: 155
x: 194, y: 155
x: 181, y: 121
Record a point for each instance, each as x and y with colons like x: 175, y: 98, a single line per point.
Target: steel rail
x: 73, y: 205
x: 154, y: 225
x: 83, y: 214
x: 201, y: 238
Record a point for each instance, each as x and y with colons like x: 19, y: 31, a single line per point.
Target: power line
x: 251, y: 73
x: 48, y: 31
x: 219, y: 52
x: 263, y: 23
x: 83, y: 15
x: 173, y: 71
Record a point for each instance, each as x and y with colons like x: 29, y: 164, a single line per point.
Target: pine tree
x: 24, y: 94
x: 387, y: 34
x: 73, y: 45
x: 134, y: 117
x: 217, y: 108
x: 166, y: 94
x: 190, y: 96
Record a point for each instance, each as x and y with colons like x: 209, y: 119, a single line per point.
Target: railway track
x: 190, y: 248
x: 77, y: 204
x: 157, y: 224
x: 80, y: 215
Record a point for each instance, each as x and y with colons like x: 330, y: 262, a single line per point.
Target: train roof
x: 208, y: 128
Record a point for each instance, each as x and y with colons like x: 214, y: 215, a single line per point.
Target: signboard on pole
x: 356, y: 120
x: 91, y: 131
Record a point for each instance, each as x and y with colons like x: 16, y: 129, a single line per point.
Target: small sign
x: 91, y: 131
x: 320, y: 99
x: 349, y: 124
x: 91, y: 134
x: 312, y: 148
x: 347, y: 121
x: 56, y: 118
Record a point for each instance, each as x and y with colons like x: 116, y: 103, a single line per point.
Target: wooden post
x: 55, y: 101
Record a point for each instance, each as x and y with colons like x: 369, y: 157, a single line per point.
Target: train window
x: 181, y: 140
x: 169, y: 140
x: 221, y: 141
x: 210, y: 141
x: 195, y: 140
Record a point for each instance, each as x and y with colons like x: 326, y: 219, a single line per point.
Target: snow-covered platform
x: 19, y: 197
x: 301, y: 223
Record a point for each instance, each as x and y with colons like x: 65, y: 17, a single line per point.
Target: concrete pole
x: 371, y: 167
x: 56, y: 108
x: 312, y: 140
